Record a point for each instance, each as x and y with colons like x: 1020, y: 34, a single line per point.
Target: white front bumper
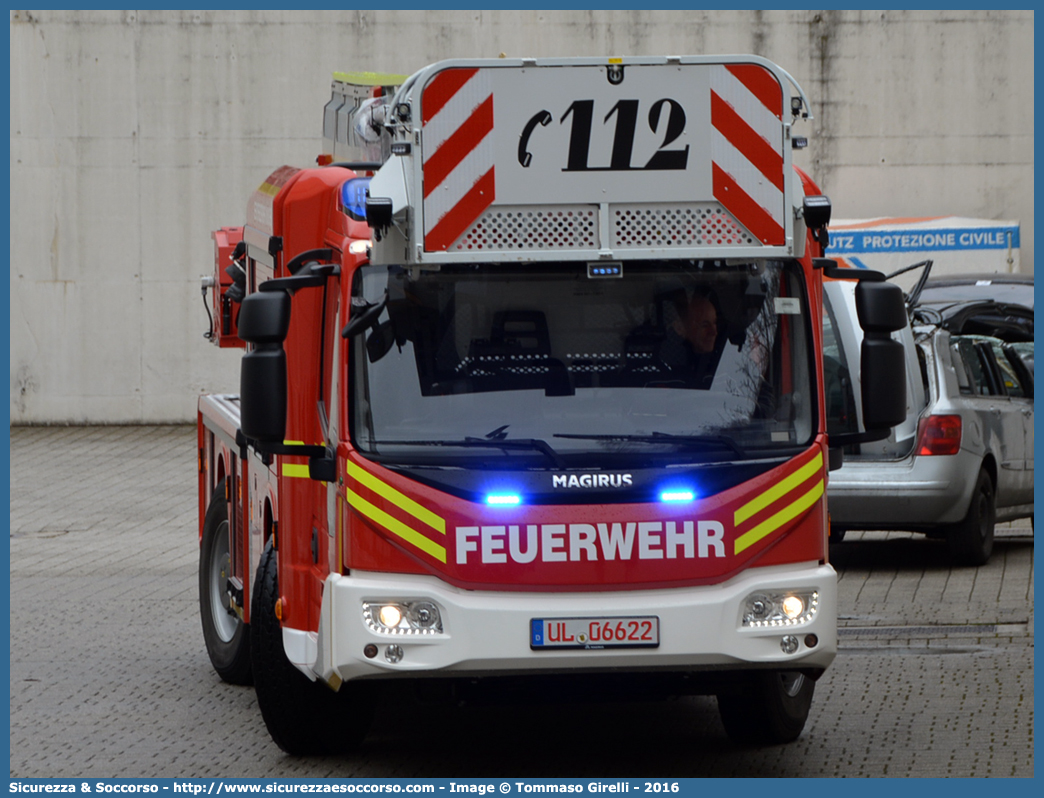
x: 487, y: 632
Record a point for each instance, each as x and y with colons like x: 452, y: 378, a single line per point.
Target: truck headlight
x: 410, y: 617
x: 780, y: 609
x: 390, y: 616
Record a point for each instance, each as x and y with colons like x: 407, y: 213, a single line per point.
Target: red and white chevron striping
x: 747, y: 147
x: 459, y: 180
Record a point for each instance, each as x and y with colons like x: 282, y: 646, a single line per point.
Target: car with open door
x: 963, y: 461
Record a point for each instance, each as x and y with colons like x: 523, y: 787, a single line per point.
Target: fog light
x: 370, y: 651
x: 394, y: 653
x: 789, y: 644
x: 811, y: 641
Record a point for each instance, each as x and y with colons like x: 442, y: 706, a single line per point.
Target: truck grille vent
x: 509, y: 229
x: 704, y: 224
x: 572, y: 227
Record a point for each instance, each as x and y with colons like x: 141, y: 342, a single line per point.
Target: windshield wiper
x: 527, y: 444
x: 663, y: 437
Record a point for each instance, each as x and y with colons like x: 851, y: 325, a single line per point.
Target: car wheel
x: 303, y: 717
x: 770, y: 708
x: 971, y: 540
x: 226, y: 636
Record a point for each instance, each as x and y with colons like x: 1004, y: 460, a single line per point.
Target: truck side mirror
x: 364, y: 318
x: 882, y: 311
x: 264, y: 320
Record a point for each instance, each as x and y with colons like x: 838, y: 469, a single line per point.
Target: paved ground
x: 109, y: 676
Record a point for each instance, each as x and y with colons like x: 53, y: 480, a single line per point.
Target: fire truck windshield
x: 546, y: 365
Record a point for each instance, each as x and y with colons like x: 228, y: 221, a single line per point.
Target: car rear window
x: 1016, y: 293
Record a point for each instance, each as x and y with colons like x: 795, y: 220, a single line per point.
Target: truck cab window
x: 837, y: 380
x: 587, y: 365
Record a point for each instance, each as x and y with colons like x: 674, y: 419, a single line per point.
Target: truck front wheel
x: 226, y: 636
x: 303, y: 717
x: 768, y: 708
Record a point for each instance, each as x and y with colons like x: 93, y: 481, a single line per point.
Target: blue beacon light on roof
x: 353, y: 197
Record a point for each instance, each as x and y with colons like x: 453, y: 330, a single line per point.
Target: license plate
x: 595, y: 633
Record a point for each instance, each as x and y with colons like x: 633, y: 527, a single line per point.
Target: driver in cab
x: 698, y: 326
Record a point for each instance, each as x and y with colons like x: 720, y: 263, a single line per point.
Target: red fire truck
x: 533, y: 393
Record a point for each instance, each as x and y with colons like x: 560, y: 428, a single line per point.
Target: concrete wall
x: 135, y: 133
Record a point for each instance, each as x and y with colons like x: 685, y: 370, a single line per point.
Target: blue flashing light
x: 353, y: 197
x: 503, y: 499
x: 677, y: 496
x: 604, y: 270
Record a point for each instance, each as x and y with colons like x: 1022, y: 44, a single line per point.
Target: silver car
x: 1013, y: 289
x: 968, y: 465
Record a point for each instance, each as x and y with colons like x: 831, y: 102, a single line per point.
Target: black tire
x: 837, y: 534
x: 770, y: 708
x: 226, y: 636
x: 971, y: 540
x: 303, y: 717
